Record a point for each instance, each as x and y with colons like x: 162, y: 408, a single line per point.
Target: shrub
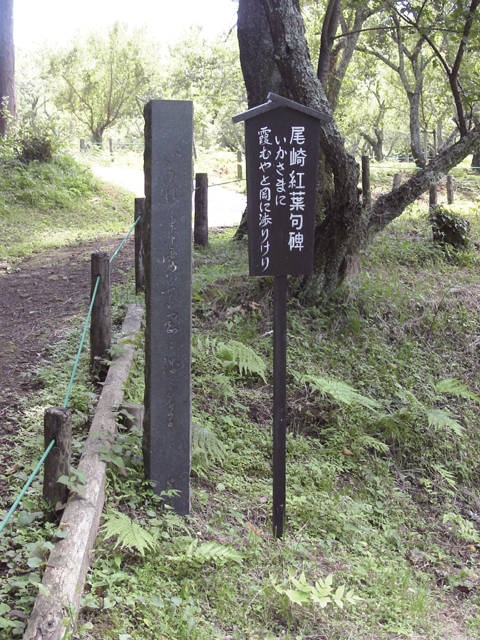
x: 449, y: 227
x: 36, y: 142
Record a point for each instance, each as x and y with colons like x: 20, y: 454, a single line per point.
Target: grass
x: 52, y: 204
x: 377, y: 499
x: 382, y: 539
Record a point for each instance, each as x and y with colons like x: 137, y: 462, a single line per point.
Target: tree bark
x: 344, y: 225
x: 8, y: 108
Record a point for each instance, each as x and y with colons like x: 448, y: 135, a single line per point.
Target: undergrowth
x: 53, y: 204
x: 382, y: 535
x: 382, y: 538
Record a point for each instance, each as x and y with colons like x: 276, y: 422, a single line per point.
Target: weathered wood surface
x: 101, y: 323
x: 57, y: 425
x: 139, y: 214
x: 64, y: 577
x: 200, y: 227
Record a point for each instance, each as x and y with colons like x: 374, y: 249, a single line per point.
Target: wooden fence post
x: 139, y: 253
x: 397, y: 180
x: 100, y: 326
x: 450, y: 189
x: 366, y: 190
x: 57, y: 423
x: 432, y: 198
x: 239, y: 165
x: 200, y: 229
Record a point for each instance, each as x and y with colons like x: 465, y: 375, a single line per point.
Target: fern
x: 370, y: 442
x: 463, y: 529
x: 340, y: 391
x: 440, y: 419
x: 446, y: 475
x: 456, y: 388
x: 128, y: 533
x: 207, y: 448
x: 236, y: 355
x: 199, y: 553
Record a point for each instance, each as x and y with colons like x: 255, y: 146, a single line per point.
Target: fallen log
x: 57, y: 604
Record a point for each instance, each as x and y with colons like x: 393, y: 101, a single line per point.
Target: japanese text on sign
x: 282, y: 187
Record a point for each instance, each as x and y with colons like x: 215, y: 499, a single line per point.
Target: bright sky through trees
x: 57, y: 21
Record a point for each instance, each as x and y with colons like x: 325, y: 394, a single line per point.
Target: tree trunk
x: 476, y: 161
x: 97, y: 135
x: 7, y: 66
x: 416, y: 146
x: 275, y: 57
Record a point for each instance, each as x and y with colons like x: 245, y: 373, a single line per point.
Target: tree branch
x: 389, y: 206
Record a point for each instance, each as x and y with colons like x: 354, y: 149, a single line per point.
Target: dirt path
x: 225, y: 207
x: 38, y: 298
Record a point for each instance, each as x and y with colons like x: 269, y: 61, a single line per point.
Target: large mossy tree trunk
x: 275, y: 57
x: 7, y: 66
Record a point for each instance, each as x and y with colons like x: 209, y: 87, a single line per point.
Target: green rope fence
x: 40, y: 463
x: 27, y: 484
x: 82, y: 340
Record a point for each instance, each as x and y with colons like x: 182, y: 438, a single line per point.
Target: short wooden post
x: 200, y: 229
x: 239, y: 165
x: 432, y: 197
x: 100, y: 326
x: 450, y: 189
x: 139, y: 253
x: 366, y: 191
x: 131, y: 415
x: 397, y: 180
x: 57, y: 426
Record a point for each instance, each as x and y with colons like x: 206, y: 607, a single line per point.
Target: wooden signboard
x: 281, y: 148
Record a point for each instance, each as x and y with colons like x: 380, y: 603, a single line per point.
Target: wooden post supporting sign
x: 282, y: 149
x: 168, y: 265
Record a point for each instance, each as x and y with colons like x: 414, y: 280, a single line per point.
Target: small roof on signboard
x: 274, y: 101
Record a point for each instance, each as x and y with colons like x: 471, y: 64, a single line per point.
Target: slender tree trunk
x: 416, y: 146
x: 476, y: 161
x: 7, y: 66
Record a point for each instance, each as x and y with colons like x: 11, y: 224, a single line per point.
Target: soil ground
x: 38, y: 298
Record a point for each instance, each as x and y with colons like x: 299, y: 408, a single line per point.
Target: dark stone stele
x: 168, y: 267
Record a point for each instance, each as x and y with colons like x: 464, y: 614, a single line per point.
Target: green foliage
x: 340, y: 391
x: 462, y: 529
x: 300, y: 592
x: 195, y: 70
x: 196, y: 554
x: 207, y: 449
x: 75, y: 482
x: 236, y: 355
x: 36, y: 143
x: 29, y: 193
x: 449, y: 227
x: 99, y: 79
x: 128, y: 534
x: 454, y: 387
